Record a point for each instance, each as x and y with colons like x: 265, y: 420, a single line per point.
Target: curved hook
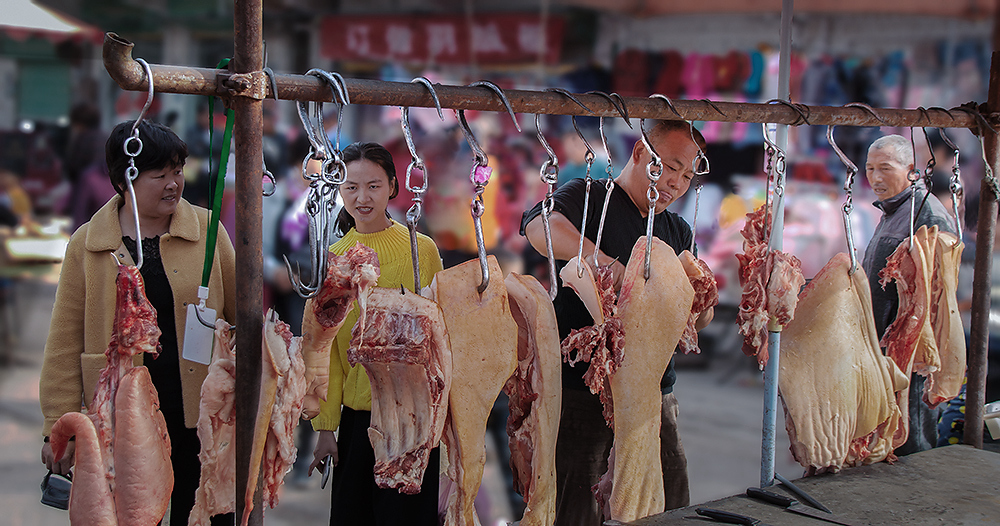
x: 796, y: 107
x: 503, y: 98
x: 867, y: 108
x: 618, y: 105
x: 852, y: 170
x: 481, y: 158
x: 666, y: 99
x: 712, y: 104
x: 550, y: 169
x: 590, y: 155
x: 149, y: 97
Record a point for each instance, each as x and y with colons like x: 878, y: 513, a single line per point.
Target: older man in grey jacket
x: 890, y: 159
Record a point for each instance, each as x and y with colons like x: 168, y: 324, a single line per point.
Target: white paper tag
x: 198, y: 339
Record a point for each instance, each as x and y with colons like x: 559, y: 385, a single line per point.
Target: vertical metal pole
x: 975, y: 395
x: 774, y: 337
x: 247, y: 57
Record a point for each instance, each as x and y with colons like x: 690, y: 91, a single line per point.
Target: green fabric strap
x: 217, y: 183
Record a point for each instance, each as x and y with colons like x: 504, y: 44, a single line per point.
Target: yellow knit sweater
x: 349, y: 386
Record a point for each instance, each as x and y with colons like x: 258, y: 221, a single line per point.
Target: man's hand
x: 64, y: 464
x: 704, y: 318
x: 326, y: 444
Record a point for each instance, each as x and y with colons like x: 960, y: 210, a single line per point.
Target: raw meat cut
x: 909, y: 339
x: 581, y: 279
x: 836, y: 387
x: 217, y: 432
x: 143, y: 474
x: 348, y: 278
x: 944, y: 384
x: 535, y: 392
x: 279, y: 449
x: 90, y: 500
x: 282, y: 388
x: 706, y: 295
x: 404, y: 348
x: 600, y: 344
x: 133, y: 333
x: 771, y: 281
x: 483, y: 339
x: 654, y: 314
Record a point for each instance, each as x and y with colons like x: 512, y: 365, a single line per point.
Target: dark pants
x: 357, y: 499
x: 923, y: 421
x: 582, y: 451
x: 184, y: 448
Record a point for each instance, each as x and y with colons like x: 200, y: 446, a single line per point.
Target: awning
x: 948, y: 8
x: 23, y: 19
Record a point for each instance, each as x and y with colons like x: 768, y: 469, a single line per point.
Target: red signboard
x: 442, y: 39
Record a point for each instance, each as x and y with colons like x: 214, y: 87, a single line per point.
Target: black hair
x: 161, y: 147
x: 376, y: 153
x: 663, y: 127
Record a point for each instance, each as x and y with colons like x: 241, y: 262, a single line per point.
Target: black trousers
x: 184, y: 448
x: 357, y: 499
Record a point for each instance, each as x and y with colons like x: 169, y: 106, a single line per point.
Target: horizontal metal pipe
x: 204, y: 81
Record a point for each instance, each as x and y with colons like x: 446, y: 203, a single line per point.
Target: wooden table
x: 952, y: 485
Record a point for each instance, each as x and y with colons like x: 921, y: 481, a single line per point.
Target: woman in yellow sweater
x: 370, y: 184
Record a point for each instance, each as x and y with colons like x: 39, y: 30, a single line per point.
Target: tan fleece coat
x: 84, y: 309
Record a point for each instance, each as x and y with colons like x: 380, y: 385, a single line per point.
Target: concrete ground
x: 720, y: 423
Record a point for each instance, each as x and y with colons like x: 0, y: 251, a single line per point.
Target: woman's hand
x: 64, y: 464
x: 326, y: 444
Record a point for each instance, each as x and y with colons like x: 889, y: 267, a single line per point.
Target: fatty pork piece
x: 348, y: 278
x: 90, y: 500
x: 944, y: 384
x: 404, y: 348
x: 143, y: 473
x: 278, y: 367
x: 771, y: 281
x: 134, y: 332
x: 706, y: 295
x: 279, y: 449
x: 535, y: 394
x: 836, y: 387
x: 600, y: 344
x: 483, y: 339
x: 654, y: 313
x: 217, y: 432
x: 909, y: 339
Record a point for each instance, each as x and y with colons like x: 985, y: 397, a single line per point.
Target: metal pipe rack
x: 246, y: 85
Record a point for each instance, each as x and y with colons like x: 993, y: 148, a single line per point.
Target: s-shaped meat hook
x: 131, y: 172
x: 852, y: 170
x: 416, y: 163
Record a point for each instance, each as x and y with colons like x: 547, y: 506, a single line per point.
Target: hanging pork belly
x: 837, y: 389
x: 216, y: 492
x: 123, y: 471
x: 535, y: 392
x: 483, y: 339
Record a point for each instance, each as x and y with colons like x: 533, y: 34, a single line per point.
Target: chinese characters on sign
x: 505, y: 38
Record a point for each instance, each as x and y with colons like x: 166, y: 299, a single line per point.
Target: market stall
x: 245, y: 85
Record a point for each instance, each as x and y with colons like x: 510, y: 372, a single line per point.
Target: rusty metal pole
x: 975, y: 396
x: 247, y: 57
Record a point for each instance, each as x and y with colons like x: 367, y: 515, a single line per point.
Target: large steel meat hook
x: 609, y: 184
x: 413, y: 214
x: 588, y: 158
x: 776, y: 172
x: 852, y: 170
x: 323, y: 186
x: 654, y: 169
x: 131, y: 172
x: 480, y: 177
x: 913, y: 175
x: 956, y: 182
x: 550, y: 177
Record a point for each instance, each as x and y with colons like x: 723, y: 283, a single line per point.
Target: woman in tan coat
x: 174, y: 235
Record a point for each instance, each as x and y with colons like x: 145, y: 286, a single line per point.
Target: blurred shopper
x: 584, y: 438
x: 890, y: 159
